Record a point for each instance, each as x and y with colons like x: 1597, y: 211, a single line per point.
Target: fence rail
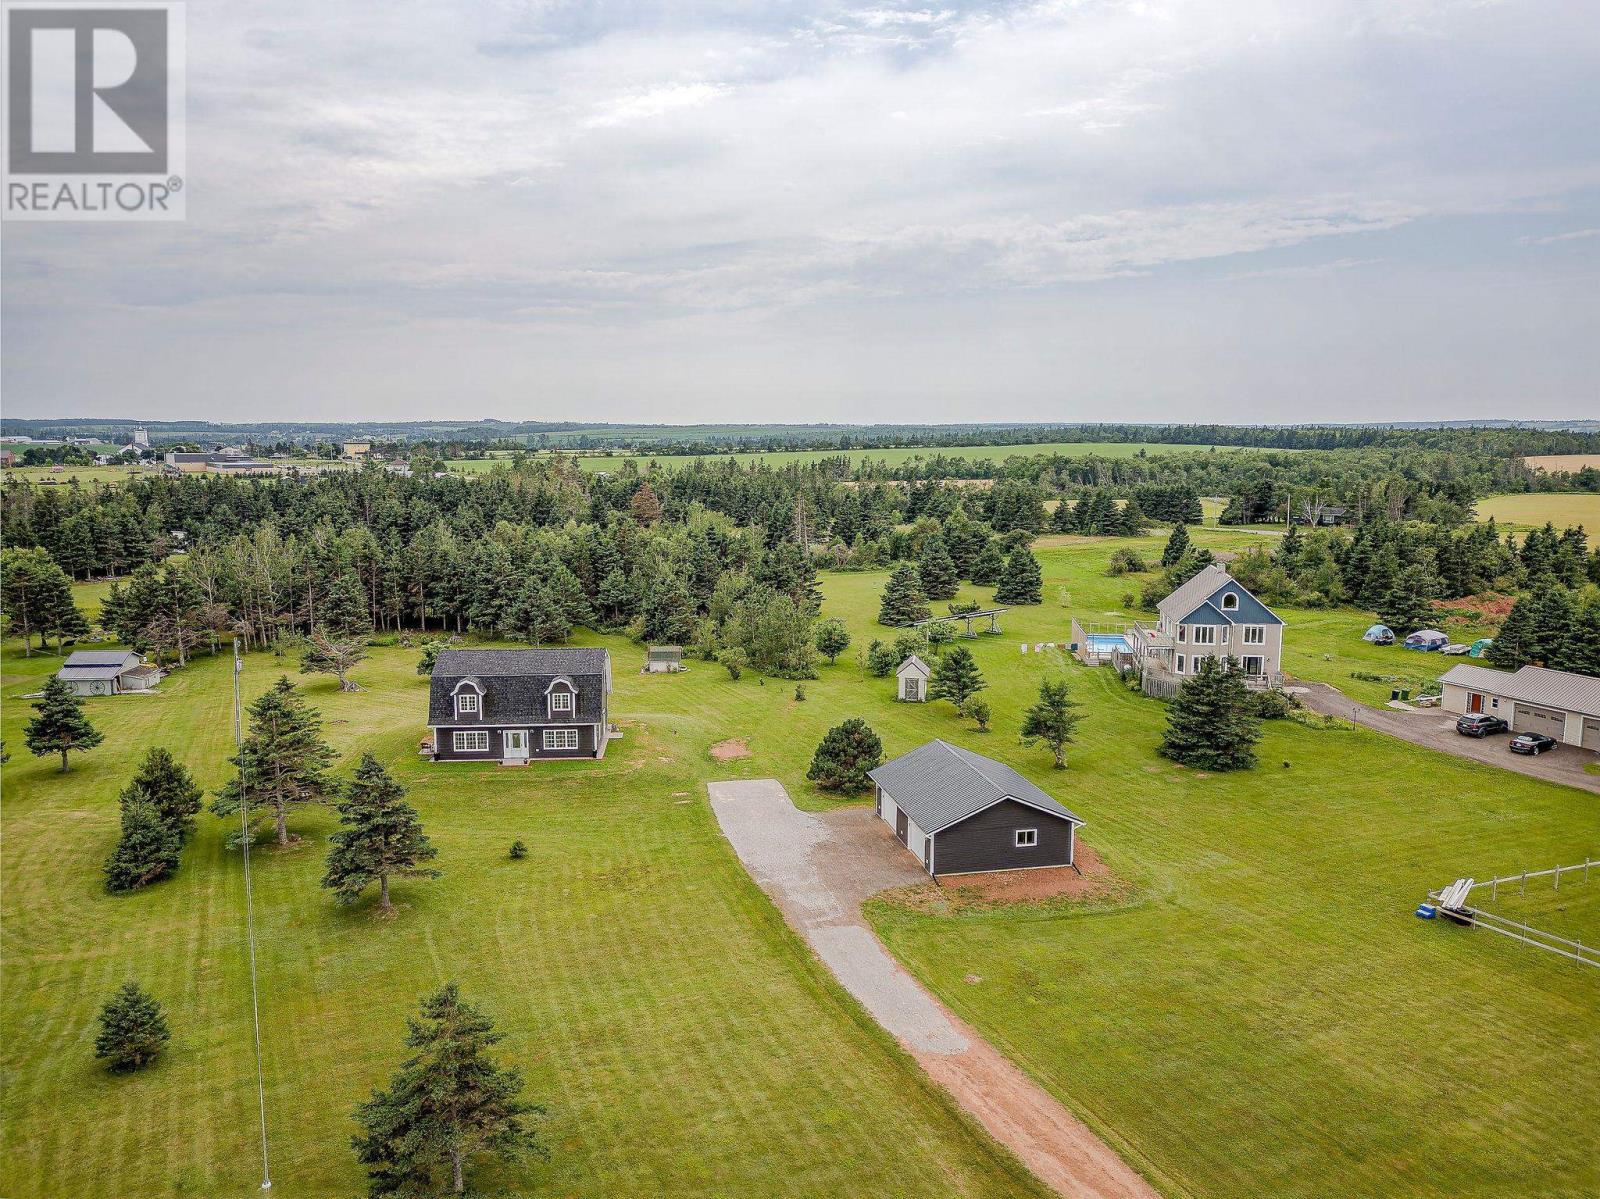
x: 1577, y: 951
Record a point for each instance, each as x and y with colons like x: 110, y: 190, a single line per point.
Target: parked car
x: 1531, y: 743
x: 1480, y: 724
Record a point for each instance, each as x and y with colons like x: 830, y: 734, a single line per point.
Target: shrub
x: 976, y: 709
x: 133, y: 1029
x: 1127, y: 561
x: 518, y: 851
x: 844, y: 756
x: 734, y: 660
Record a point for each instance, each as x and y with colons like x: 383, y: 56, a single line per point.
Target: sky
x: 1144, y: 210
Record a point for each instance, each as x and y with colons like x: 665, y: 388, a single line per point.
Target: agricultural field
x: 1551, y: 463
x: 1533, y: 509
x: 1256, y: 1014
x: 894, y: 456
x: 84, y: 475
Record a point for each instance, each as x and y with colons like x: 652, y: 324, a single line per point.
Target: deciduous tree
x: 1052, y: 721
x: 832, y: 639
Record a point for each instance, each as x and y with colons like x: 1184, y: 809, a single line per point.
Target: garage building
x: 958, y: 812
x: 1557, y: 703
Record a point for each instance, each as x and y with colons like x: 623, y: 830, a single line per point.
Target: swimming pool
x: 1105, y: 643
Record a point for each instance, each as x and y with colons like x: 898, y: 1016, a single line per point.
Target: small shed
x: 107, y: 672
x: 911, y: 680
x: 663, y: 659
x: 958, y: 812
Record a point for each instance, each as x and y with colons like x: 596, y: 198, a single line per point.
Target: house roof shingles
x: 939, y: 784
x: 1532, y: 685
x: 514, y: 681
x: 1189, y: 596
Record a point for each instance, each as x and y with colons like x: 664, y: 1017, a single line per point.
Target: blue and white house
x: 1211, y: 616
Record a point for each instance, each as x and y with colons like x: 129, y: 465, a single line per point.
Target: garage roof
x: 1532, y: 685
x: 938, y: 784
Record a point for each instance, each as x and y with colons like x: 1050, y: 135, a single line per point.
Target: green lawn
x: 893, y: 455
x: 1534, y: 509
x: 1262, y: 1016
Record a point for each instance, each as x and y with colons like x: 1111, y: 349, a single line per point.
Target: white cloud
x: 1555, y: 238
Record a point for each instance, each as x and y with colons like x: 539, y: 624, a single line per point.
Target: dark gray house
x: 962, y: 813
x: 515, y: 705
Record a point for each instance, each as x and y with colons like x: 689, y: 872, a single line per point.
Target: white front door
x: 516, y: 743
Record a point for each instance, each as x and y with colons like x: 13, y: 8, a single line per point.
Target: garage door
x: 1591, y: 733
x: 1540, y: 720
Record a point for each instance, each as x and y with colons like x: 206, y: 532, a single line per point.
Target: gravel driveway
x: 1436, y: 729
x: 818, y: 869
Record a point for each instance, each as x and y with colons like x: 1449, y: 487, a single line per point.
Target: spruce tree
x: 168, y: 787
x: 1211, y: 723
x: 903, y: 602
x: 1052, y: 720
x: 59, y: 725
x: 1021, y: 583
x: 448, y: 1103
x: 1177, y: 546
x: 133, y: 1029
x: 148, y: 849
x: 990, y: 563
x: 381, y: 836
x: 956, y: 677
x: 1405, y: 608
x: 536, y: 617
x: 1064, y: 519
x: 936, y: 570
x: 284, y: 758
x: 846, y: 753
x: 832, y: 639
x: 1514, y: 643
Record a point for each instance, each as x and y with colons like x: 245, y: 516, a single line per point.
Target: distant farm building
x: 663, y: 659
x: 107, y: 672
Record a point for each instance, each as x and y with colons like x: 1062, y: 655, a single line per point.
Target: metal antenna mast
x: 250, y: 913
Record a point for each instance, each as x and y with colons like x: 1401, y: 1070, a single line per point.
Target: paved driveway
x: 1436, y: 729
x: 818, y: 869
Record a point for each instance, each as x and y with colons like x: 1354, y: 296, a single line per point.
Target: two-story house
x: 515, y: 705
x: 1210, y: 616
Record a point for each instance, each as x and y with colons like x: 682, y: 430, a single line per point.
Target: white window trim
x: 1255, y: 634
x: 560, y: 739
x: 1032, y: 841
x: 563, y: 701
x: 467, y: 703
x: 1230, y: 607
x: 1205, y: 634
x: 1180, y: 665
x: 468, y: 741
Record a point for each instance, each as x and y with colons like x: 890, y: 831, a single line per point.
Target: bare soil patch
x: 1489, y: 605
x: 1549, y: 463
x: 727, y: 751
x: 1033, y: 886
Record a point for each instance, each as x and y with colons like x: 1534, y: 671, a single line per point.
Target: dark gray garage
x: 959, y: 812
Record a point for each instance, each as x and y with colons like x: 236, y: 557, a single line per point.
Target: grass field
x: 1562, y: 462
x: 1571, y: 911
x: 894, y: 456
x: 1258, y: 1018
x: 85, y: 475
x: 1532, y: 509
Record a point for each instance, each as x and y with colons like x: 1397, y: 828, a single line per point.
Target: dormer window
x: 1230, y: 602
x: 467, y: 703
x: 560, y: 701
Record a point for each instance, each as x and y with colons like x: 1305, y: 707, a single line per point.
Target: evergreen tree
x: 1021, y: 583
x: 903, y: 602
x: 344, y: 614
x: 990, y: 563
x: 36, y: 595
x: 148, y: 849
x: 133, y: 1029
x: 1064, y: 520
x: 956, y: 677
x: 537, y: 617
x: 448, y: 1103
x: 1288, y: 553
x: 1053, y: 719
x: 645, y: 505
x: 1405, y: 609
x: 668, y: 610
x: 284, y: 759
x: 1515, y: 642
x: 59, y: 725
x: 381, y: 836
x: 845, y: 755
x: 168, y: 787
x: 1211, y: 723
x: 936, y: 570
x: 832, y: 639
x: 1177, y: 546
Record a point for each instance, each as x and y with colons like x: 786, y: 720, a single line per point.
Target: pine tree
x: 381, y: 837
x: 284, y: 759
x: 1177, y: 546
x: 1288, y: 553
x: 846, y: 753
x: 832, y: 639
x: 448, y: 1103
x: 903, y: 601
x: 1514, y: 643
x: 989, y: 565
x: 936, y: 570
x: 1405, y: 608
x: 133, y: 1029
x: 1053, y: 719
x: 148, y: 849
x: 1021, y: 583
x: 668, y: 610
x: 956, y: 677
x: 168, y: 787
x: 1210, y: 723
x: 59, y: 725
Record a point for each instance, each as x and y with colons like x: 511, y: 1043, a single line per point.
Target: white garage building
x: 1558, y: 703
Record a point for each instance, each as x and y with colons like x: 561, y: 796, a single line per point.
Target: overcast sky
x: 1093, y: 210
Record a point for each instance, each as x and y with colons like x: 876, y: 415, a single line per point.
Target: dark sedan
x: 1531, y: 743
x: 1479, y: 724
